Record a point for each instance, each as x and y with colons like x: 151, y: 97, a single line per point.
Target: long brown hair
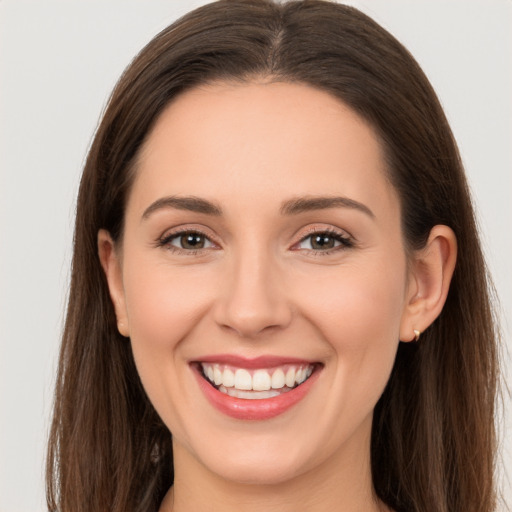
x: 433, y: 439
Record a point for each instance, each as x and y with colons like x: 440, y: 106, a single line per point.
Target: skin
x: 258, y: 287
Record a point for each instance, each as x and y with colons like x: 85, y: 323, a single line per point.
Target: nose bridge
x: 254, y: 298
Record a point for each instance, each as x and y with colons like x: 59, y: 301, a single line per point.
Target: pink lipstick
x: 254, y: 389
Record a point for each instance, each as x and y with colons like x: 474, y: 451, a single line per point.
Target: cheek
x: 163, y: 303
x: 357, y: 307
x: 357, y: 312
x: 163, y: 306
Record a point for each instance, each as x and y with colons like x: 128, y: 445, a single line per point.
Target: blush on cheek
x: 162, y: 310
x: 163, y: 305
x: 357, y: 315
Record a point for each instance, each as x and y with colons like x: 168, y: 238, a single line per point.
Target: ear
x: 110, y: 261
x: 431, y: 271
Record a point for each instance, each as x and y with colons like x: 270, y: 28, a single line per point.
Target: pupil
x: 192, y: 241
x: 322, y: 242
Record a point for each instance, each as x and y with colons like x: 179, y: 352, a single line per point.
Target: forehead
x: 237, y: 143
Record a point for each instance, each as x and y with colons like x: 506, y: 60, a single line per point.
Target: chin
x: 246, y: 457
x: 257, y: 469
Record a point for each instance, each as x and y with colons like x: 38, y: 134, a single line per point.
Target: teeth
x: 217, y: 375
x: 290, y: 378
x: 278, y: 379
x: 257, y: 383
x: 228, y: 378
x: 251, y: 395
x: 243, y: 379
x: 261, y: 381
x: 302, y: 375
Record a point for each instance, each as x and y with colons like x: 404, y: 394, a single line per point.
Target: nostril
x: 248, y: 330
x: 252, y: 301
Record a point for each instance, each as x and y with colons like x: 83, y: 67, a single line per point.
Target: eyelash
x: 345, y: 242
x: 166, y: 240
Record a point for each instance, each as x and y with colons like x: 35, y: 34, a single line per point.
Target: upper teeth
x: 257, y: 380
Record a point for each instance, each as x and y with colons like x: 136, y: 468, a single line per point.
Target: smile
x: 256, y: 384
x: 256, y: 389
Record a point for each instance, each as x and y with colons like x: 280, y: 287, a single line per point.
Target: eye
x: 187, y: 241
x: 324, y: 241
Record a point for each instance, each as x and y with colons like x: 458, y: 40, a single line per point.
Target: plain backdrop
x: 58, y: 62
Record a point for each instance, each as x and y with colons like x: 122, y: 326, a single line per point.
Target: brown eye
x: 324, y: 241
x: 188, y: 241
x: 192, y: 241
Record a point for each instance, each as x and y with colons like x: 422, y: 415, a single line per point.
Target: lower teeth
x: 252, y: 395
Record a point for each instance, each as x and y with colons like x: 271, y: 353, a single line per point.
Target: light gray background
x: 58, y: 63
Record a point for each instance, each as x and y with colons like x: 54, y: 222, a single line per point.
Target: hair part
x: 433, y: 438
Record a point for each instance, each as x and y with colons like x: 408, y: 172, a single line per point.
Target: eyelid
x: 168, y: 235
x: 346, y: 240
x: 323, y: 228
x: 178, y: 236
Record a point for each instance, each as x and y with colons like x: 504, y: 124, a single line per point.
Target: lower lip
x: 257, y: 409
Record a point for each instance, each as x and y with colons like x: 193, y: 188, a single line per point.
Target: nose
x: 252, y: 299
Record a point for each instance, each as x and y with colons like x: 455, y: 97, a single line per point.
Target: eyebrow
x: 291, y: 207
x: 189, y: 203
x: 307, y: 204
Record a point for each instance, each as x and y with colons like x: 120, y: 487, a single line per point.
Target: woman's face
x: 262, y: 246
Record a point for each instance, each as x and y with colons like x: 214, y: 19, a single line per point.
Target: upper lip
x: 264, y: 361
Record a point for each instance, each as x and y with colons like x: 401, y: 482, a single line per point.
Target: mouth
x: 255, y: 384
x: 255, y: 389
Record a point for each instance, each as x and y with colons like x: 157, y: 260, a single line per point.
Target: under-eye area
x: 253, y: 384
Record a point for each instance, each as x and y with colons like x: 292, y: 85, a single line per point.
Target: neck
x: 342, y: 483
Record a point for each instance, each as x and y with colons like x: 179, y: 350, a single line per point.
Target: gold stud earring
x: 417, y: 334
x: 122, y: 329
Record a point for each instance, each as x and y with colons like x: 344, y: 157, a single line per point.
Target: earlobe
x: 431, y: 272
x: 111, y: 264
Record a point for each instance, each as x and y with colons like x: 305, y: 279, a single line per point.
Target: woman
x: 276, y: 261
